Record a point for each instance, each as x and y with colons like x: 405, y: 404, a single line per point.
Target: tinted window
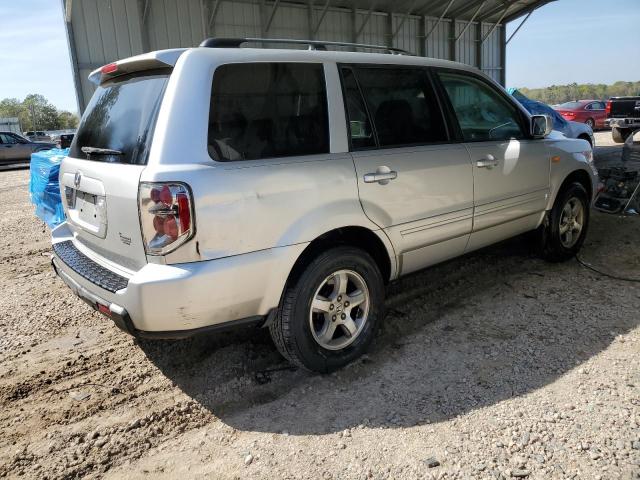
x: 121, y: 116
x: 483, y: 114
x: 569, y: 105
x: 402, y: 105
x: 360, y: 131
x: 5, y: 138
x: 262, y: 110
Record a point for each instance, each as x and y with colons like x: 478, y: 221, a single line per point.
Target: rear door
x: 99, y: 180
x: 510, y: 171
x: 412, y: 181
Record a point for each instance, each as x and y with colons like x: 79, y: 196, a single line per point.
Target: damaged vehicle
x: 225, y: 186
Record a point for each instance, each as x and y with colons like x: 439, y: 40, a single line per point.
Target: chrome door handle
x: 487, y: 162
x: 382, y: 176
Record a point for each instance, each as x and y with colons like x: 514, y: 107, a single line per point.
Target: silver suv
x: 220, y: 186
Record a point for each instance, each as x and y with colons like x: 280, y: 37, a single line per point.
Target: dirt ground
x: 494, y: 365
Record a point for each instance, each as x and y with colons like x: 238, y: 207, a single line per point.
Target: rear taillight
x: 166, y: 216
x: 607, y: 109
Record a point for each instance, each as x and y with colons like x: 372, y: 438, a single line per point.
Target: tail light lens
x: 607, y: 109
x: 166, y: 216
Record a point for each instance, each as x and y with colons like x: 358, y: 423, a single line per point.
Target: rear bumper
x: 176, y: 301
x: 622, y: 122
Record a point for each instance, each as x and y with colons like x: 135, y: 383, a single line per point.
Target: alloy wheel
x: 339, y: 310
x: 571, y: 222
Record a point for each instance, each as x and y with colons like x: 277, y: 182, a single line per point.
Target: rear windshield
x: 121, y: 117
x: 570, y: 105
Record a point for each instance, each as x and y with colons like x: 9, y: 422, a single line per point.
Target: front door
x: 413, y: 183
x: 8, y: 147
x: 510, y: 170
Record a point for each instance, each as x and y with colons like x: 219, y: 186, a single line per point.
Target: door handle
x: 488, y: 161
x: 382, y: 176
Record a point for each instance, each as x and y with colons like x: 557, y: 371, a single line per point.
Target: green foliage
x: 565, y: 93
x: 36, y: 113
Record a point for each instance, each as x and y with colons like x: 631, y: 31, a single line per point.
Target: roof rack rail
x: 312, y: 44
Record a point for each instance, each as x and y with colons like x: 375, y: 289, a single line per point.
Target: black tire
x: 552, y: 247
x: 620, y: 135
x: 291, y: 329
x: 586, y: 137
x: 591, y: 123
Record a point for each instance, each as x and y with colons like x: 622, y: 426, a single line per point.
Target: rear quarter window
x: 265, y: 110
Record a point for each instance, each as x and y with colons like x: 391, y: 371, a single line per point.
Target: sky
x: 583, y: 41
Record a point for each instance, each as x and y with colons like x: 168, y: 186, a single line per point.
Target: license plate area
x: 87, y: 210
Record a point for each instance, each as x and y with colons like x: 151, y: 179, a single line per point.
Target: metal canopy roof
x: 490, y: 11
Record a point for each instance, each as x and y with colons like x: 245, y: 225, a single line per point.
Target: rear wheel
x: 565, y: 228
x: 591, y: 123
x: 329, y: 313
x: 620, y: 135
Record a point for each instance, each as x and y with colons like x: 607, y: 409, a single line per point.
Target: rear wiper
x: 100, y: 151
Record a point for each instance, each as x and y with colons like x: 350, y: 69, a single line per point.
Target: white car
x: 220, y: 186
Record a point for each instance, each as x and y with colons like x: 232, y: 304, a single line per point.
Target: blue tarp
x: 538, y: 108
x: 44, y: 186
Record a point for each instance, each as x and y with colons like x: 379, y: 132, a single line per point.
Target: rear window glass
x: 264, y: 110
x: 121, y: 117
x: 570, y: 105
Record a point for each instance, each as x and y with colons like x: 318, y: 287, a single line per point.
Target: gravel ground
x: 494, y: 365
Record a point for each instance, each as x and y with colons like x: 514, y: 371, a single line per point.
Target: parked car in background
x: 14, y: 147
x: 624, y: 117
x: 286, y: 188
x: 590, y: 112
x: 568, y: 128
x: 65, y: 139
x: 37, y: 136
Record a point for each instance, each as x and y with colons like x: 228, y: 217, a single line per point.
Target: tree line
x: 35, y: 112
x: 585, y: 91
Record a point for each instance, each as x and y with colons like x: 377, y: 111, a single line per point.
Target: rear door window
x: 265, y: 110
x: 402, y: 105
x: 483, y: 114
x: 360, y: 130
x: 121, y: 117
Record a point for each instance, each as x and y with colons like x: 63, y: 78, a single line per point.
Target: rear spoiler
x: 139, y: 63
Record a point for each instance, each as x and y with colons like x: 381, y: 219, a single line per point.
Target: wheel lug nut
x: 343, y: 316
x: 331, y: 307
x: 333, y: 318
x: 346, y: 304
x: 339, y: 298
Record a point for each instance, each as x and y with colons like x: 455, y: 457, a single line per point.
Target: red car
x: 591, y: 112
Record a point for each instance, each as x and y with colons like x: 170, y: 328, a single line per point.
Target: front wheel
x: 565, y: 227
x: 330, y: 312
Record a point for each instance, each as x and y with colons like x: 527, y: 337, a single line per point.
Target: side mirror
x: 541, y: 126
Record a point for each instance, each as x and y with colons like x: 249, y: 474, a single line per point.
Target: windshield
x: 120, y: 119
x: 570, y: 105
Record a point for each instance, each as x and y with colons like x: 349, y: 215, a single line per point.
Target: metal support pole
x: 212, y: 15
x: 404, y: 19
x: 453, y: 51
x: 495, y: 25
x: 478, y: 44
x: 365, y: 20
x: 440, y: 19
x: 271, y: 15
x: 466, y: 27
x: 519, y: 26
x: 321, y: 19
